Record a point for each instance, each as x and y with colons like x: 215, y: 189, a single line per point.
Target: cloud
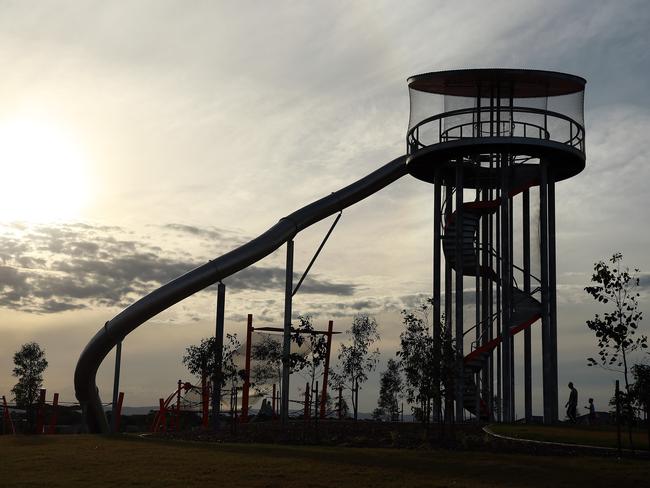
x: 54, y: 268
x: 644, y: 281
x: 273, y: 278
x: 211, y: 233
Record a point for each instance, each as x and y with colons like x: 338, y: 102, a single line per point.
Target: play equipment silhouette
x: 496, y: 131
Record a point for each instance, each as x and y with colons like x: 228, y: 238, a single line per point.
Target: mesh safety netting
x: 524, y: 108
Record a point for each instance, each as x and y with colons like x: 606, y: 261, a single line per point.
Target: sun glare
x: 43, y: 172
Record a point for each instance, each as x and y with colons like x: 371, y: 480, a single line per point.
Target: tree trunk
x: 647, y: 420
x: 355, y: 398
x: 628, y: 403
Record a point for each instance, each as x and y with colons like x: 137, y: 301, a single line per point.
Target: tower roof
x: 518, y: 83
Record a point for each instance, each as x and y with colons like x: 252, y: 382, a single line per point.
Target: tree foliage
x: 311, y: 361
x: 614, y: 285
x: 640, y: 388
x: 267, y: 352
x: 429, y: 372
x: 390, y: 389
x: 200, y: 359
x: 29, y: 365
x: 357, y: 358
x: 267, y: 365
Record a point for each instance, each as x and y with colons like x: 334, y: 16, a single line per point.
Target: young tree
x: 266, y: 355
x: 266, y: 367
x: 29, y: 365
x: 339, y: 403
x: 199, y: 359
x: 311, y: 361
x: 429, y: 374
x: 356, y: 358
x: 616, y: 330
x: 640, y: 391
x: 390, y: 388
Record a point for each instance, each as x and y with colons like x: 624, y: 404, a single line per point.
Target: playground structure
x: 494, y: 132
x: 186, y: 397
x: 44, y: 424
x: 262, y: 344
x: 260, y: 354
x: 8, y: 425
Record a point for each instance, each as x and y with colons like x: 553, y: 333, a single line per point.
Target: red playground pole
x: 272, y: 403
x: 118, y: 412
x: 247, y: 367
x: 323, y: 397
x: 178, y: 406
x: 162, y: 418
x: 6, y: 417
x: 40, y: 415
x: 205, y: 398
x: 55, y: 404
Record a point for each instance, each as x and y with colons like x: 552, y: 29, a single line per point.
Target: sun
x: 43, y: 172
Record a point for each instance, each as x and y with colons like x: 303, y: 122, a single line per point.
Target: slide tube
x: 129, y: 319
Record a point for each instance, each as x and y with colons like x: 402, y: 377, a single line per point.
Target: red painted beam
x: 7, y: 415
x: 55, y: 405
x: 118, y: 411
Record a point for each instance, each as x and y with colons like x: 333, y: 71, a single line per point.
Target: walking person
x: 572, y: 404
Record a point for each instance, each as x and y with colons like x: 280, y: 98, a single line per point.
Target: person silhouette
x: 592, y: 411
x: 572, y: 404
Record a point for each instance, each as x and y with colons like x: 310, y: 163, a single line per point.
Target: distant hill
x: 145, y: 410
x: 133, y: 410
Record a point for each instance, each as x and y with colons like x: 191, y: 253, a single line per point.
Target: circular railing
x: 504, y: 122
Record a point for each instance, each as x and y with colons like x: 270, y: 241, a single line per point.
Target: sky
x: 139, y: 140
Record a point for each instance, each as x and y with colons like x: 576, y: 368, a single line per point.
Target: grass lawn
x: 64, y: 461
x: 604, y: 436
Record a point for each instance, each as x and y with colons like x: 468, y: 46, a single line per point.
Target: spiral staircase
x: 526, y: 310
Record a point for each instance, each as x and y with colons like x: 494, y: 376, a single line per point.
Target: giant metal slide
x: 115, y: 330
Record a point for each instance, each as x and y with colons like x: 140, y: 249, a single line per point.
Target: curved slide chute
x: 196, y: 280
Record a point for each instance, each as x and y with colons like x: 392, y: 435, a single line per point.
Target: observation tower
x: 494, y: 142
x: 488, y: 140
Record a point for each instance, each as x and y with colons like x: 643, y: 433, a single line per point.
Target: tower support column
x: 460, y: 383
x: 437, y: 196
x: 552, y: 296
x: 528, y: 391
x: 218, y: 355
x: 286, y: 338
x: 449, y: 403
x: 546, y: 346
x: 506, y: 281
x: 485, y: 244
